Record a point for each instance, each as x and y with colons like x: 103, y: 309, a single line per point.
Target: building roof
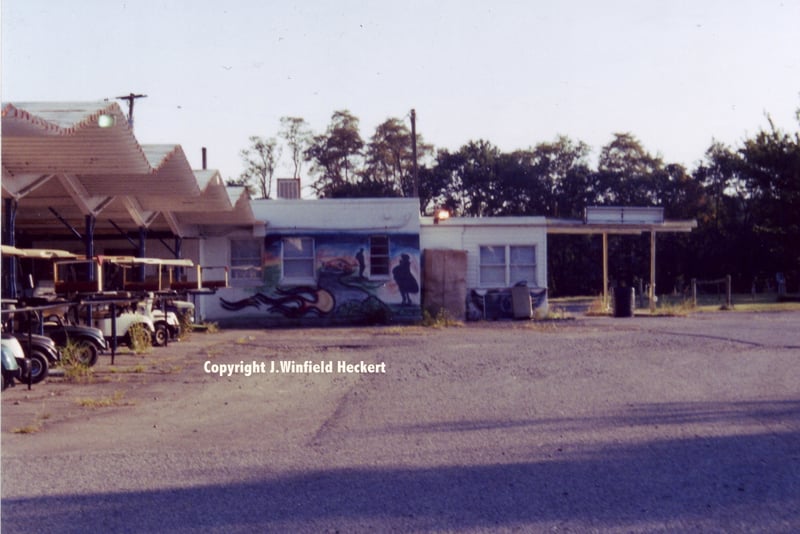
x: 576, y: 226
x: 393, y: 215
x: 73, y: 159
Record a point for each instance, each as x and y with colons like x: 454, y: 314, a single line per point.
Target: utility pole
x: 130, y: 98
x: 414, y: 151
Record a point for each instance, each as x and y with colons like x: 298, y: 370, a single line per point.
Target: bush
x: 74, y: 369
x: 140, y: 340
x: 440, y: 320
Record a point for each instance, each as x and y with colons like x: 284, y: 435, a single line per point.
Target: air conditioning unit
x: 289, y: 188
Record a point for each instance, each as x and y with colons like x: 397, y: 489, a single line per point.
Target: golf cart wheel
x: 160, y: 336
x: 86, y: 353
x: 39, y: 367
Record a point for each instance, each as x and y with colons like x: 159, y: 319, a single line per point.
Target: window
x: 379, y: 255
x: 522, y: 265
x: 298, y: 259
x: 493, y: 266
x: 245, y: 260
x: 506, y: 265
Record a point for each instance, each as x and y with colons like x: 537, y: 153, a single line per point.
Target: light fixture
x: 441, y: 215
x: 105, y: 120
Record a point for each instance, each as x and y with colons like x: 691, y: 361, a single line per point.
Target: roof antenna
x: 130, y: 98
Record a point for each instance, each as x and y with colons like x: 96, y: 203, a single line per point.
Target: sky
x: 676, y: 74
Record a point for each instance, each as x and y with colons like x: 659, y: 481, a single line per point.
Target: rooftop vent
x: 289, y: 188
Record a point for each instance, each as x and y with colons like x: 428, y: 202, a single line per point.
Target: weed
x: 140, y: 338
x: 33, y: 427
x: 104, y: 402
x: 28, y: 429
x: 553, y: 313
x: 441, y: 320
x: 679, y: 309
x: 597, y: 307
x: 211, y: 328
x: 547, y: 327
x: 74, y: 369
x: 393, y: 330
x: 186, y: 324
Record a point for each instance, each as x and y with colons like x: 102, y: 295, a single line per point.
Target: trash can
x: 521, y: 302
x: 624, y: 301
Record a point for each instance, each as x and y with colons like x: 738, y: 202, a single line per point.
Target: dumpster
x: 624, y: 301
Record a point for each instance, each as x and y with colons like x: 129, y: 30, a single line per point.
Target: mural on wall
x: 293, y: 302
x: 406, y: 283
x: 346, y: 286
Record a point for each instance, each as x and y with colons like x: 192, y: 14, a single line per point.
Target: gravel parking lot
x: 595, y: 424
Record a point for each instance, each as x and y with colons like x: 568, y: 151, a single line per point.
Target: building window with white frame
x: 245, y: 261
x: 298, y: 260
x: 507, y: 265
x: 379, y: 256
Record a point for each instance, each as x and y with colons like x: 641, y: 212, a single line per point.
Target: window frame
x: 506, y: 265
x: 386, y: 258
x: 312, y: 257
x: 239, y: 264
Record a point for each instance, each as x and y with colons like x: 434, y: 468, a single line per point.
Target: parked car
x: 126, y: 321
x: 42, y: 353
x: 88, y: 341
x: 14, y: 364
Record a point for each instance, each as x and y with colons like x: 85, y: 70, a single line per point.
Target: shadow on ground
x: 729, y: 483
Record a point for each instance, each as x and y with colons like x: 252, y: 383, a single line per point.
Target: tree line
x: 746, y: 199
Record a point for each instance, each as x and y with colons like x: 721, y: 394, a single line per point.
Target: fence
x: 718, y: 284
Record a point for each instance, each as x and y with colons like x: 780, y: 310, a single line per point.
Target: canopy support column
x: 605, y: 271
x: 652, y: 291
x: 142, y: 250
x: 9, y: 238
x: 88, y: 243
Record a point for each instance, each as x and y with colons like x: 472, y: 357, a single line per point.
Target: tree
x: 388, y: 154
x: 563, y: 166
x: 297, y: 134
x: 260, y: 161
x: 771, y: 168
x: 478, y: 174
x: 389, y: 157
x: 334, y: 154
x: 441, y: 186
x: 626, y: 173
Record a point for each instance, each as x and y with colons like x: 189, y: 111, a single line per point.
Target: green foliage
x: 297, y: 134
x: 260, y: 160
x: 186, y: 324
x: 441, y: 319
x: 74, y: 369
x: 335, y: 155
x: 140, y: 339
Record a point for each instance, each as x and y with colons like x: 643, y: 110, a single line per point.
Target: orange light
x: 441, y: 215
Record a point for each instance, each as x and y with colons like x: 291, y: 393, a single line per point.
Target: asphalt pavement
x: 589, y: 425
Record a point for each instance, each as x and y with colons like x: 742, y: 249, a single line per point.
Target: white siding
x: 351, y: 215
x: 470, y: 234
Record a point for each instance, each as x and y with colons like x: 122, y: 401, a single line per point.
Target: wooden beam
x: 652, y: 291
x: 605, y: 270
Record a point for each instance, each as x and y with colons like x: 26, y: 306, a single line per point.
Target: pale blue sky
x: 675, y: 73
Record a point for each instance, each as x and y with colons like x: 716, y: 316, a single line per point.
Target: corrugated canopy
x: 81, y: 158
